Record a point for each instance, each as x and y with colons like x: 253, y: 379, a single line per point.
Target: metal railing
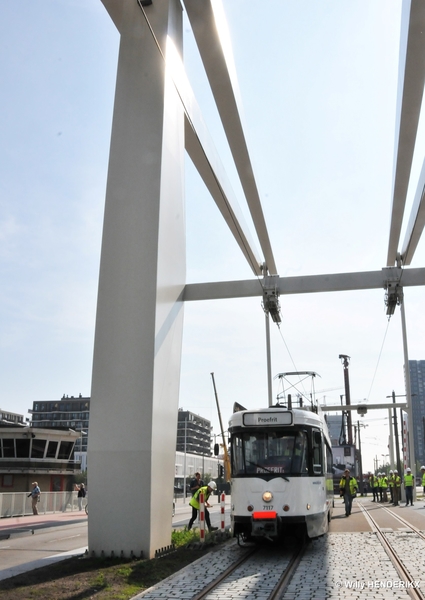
x: 15, y: 504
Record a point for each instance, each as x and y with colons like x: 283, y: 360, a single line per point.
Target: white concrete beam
x: 416, y: 223
x: 410, y: 92
x: 200, y: 147
x: 139, y: 321
x: 207, y: 32
x: 336, y: 282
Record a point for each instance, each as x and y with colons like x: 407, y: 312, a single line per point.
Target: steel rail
x: 414, y: 593
x: 207, y: 589
x: 404, y: 522
x: 281, y: 585
x: 289, y: 572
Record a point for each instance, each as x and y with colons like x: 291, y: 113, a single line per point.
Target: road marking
x: 65, y: 538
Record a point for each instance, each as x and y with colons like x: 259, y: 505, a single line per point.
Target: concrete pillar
x: 138, y: 338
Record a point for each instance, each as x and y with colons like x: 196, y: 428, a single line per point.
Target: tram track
x: 415, y: 592
x: 404, y: 522
x: 260, y: 571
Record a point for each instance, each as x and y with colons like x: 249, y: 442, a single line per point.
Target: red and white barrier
x: 202, y: 516
x: 222, y: 505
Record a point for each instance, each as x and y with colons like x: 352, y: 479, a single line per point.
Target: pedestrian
x: 81, y: 495
x: 423, y: 478
x: 35, y: 497
x: 397, y: 488
x: 391, y: 484
x: 408, y: 486
x: 384, y: 487
x: 380, y: 486
x: 348, y: 488
x: 370, y: 478
x: 196, y: 483
x: 375, y: 488
x: 207, y: 490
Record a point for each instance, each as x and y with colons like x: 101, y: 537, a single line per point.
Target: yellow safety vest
x: 408, y: 480
x: 195, y: 498
x: 353, y: 485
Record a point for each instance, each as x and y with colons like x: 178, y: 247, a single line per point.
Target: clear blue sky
x: 318, y: 88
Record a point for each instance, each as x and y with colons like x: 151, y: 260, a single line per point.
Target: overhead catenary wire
x: 292, y: 360
x: 379, y: 359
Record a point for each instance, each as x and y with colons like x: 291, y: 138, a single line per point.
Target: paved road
x: 33, y: 541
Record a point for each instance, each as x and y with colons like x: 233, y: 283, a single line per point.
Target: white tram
x: 281, y: 470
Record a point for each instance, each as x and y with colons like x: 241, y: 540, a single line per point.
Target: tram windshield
x: 255, y: 452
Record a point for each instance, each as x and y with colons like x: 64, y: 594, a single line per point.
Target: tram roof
x: 300, y: 416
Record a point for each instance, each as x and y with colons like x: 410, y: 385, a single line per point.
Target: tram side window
x: 317, y: 453
x: 238, y: 466
x: 329, y: 460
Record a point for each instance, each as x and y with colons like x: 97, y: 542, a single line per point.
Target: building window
x: 7, y: 481
x: 51, y: 450
x: 65, y: 450
x: 8, y: 448
x: 56, y: 483
x: 38, y: 448
x: 22, y: 448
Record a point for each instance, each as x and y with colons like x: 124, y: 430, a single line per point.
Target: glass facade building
x: 417, y: 384
x: 193, y: 433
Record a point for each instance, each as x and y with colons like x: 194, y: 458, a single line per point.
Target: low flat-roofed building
x: 10, y: 417
x: 42, y: 455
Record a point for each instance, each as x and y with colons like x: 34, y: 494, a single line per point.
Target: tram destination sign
x: 268, y: 419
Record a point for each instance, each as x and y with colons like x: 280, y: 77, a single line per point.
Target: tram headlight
x: 308, y: 506
x: 267, y: 496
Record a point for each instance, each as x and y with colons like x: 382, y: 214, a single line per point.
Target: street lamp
x: 383, y: 462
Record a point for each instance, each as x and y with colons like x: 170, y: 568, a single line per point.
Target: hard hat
x: 422, y: 467
x: 395, y: 471
x: 408, y: 469
x: 212, y: 485
x: 391, y: 471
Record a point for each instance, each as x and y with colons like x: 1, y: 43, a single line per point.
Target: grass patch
x: 104, y: 578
